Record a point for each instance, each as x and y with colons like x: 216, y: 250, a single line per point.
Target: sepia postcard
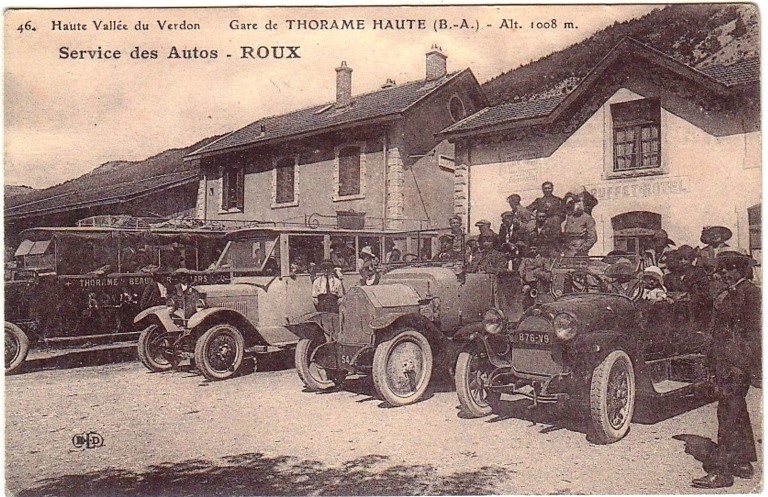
x: 388, y: 250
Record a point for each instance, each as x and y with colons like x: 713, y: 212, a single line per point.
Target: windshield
x: 252, y: 255
x: 613, y: 273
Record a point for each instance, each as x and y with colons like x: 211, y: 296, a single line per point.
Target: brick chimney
x: 436, y: 67
x: 343, y: 85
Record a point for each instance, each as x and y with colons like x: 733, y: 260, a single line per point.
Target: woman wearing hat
x: 736, y: 355
x: 327, y: 288
x: 713, y: 238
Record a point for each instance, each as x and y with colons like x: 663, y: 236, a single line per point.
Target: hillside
x: 169, y: 163
x: 697, y: 35
x: 14, y: 190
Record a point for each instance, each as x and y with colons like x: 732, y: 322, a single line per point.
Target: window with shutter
x: 232, y: 188
x: 285, y: 182
x: 349, y: 171
x: 636, y: 135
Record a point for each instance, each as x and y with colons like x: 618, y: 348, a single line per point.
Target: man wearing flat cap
x: 735, y: 356
x: 520, y: 213
x: 448, y: 252
x: 489, y: 260
x: 484, y: 226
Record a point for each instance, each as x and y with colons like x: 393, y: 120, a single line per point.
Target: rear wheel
x: 612, y: 397
x: 472, y: 372
x: 402, y: 367
x: 219, y: 352
x: 154, y: 349
x: 314, y: 377
x: 16, y: 347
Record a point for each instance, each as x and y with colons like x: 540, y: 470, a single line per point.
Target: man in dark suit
x: 156, y: 291
x: 736, y: 355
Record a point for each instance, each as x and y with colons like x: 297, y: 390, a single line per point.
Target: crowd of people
x: 550, y: 226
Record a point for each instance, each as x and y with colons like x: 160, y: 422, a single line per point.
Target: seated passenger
x: 653, y: 285
x: 448, y: 252
x: 488, y: 260
x: 369, y: 271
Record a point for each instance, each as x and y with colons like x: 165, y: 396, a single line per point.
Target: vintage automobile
x: 595, y: 348
x: 400, y: 330
x: 75, y: 286
x: 269, y: 292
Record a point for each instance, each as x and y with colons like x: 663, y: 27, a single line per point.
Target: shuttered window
x: 636, y: 134
x: 349, y: 171
x: 233, y: 188
x: 285, y: 180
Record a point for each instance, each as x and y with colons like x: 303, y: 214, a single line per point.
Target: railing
x: 342, y: 220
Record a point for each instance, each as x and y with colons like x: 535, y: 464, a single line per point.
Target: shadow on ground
x: 77, y: 358
x: 257, y: 474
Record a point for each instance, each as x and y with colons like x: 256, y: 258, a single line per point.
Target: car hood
x: 593, y: 311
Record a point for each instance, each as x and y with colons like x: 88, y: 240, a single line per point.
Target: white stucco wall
x: 708, y: 180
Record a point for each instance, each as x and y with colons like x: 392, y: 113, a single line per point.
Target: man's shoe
x: 743, y: 470
x: 713, y: 480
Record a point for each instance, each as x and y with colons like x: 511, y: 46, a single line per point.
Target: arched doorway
x: 632, y: 231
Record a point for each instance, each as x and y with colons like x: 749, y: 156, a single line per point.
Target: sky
x: 63, y: 116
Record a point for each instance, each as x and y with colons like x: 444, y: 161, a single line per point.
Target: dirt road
x: 261, y: 434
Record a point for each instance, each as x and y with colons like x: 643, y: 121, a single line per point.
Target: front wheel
x: 471, y: 375
x: 154, y: 349
x: 16, y: 347
x: 219, y: 352
x: 612, y: 397
x: 315, y: 377
x: 402, y: 367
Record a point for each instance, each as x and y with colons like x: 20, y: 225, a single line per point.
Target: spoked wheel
x: 154, y: 349
x: 219, y: 352
x: 471, y: 377
x: 612, y: 397
x: 16, y: 347
x: 313, y: 376
x: 402, y: 367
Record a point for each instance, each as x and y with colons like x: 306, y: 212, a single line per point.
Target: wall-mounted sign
x: 649, y: 187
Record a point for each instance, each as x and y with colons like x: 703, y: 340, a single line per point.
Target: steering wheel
x: 409, y: 257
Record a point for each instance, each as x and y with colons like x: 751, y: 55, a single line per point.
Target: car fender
x: 200, y: 316
x: 316, y: 324
x: 161, y: 313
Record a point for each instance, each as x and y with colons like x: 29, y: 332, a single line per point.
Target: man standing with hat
x: 327, y: 288
x: 735, y: 355
x: 448, y: 252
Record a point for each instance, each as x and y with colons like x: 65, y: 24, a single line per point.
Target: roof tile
x: 379, y: 103
x: 738, y: 73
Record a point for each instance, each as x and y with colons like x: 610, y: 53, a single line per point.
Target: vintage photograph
x: 393, y: 250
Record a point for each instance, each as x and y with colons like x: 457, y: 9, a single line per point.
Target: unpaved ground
x: 261, y: 434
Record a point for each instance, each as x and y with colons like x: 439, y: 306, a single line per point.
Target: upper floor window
x: 285, y: 182
x: 636, y: 135
x: 350, y: 172
x: 232, y: 188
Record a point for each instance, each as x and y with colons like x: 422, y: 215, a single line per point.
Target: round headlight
x: 565, y: 326
x: 200, y: 305
x: 494, y: 321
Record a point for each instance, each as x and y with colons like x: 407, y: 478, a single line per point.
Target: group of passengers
x: 550, y: 226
